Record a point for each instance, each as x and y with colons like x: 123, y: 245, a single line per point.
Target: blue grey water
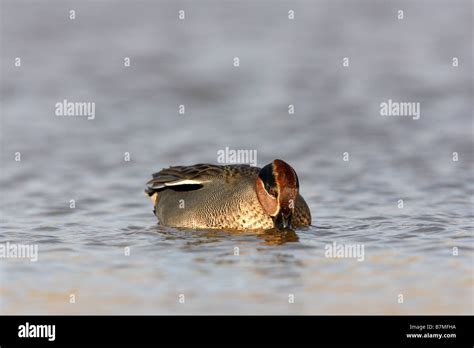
x: 409, y: 250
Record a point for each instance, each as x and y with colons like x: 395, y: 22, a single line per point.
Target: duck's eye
x: 272, y: 192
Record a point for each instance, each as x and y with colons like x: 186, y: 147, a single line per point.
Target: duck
x: 234, y: 196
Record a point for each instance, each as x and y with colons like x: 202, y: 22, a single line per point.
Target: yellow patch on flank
x: 153, y: 198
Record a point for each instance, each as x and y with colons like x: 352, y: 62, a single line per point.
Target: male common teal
x: 238, y: 197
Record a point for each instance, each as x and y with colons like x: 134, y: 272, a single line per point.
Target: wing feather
x: 183, y: 177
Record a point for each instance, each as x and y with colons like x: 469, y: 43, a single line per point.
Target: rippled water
x: 408, y: 250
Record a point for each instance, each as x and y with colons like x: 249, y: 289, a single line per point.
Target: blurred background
x: 189, y: 62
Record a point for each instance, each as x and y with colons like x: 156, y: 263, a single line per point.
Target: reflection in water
x: 272, y: 236
x: 278, y: 237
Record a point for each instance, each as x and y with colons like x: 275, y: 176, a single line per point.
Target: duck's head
x: 277, y: 188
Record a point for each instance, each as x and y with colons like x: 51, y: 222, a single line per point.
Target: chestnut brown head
x: 277, y: 188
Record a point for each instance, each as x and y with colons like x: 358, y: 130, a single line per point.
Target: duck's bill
x: 281, y: 222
